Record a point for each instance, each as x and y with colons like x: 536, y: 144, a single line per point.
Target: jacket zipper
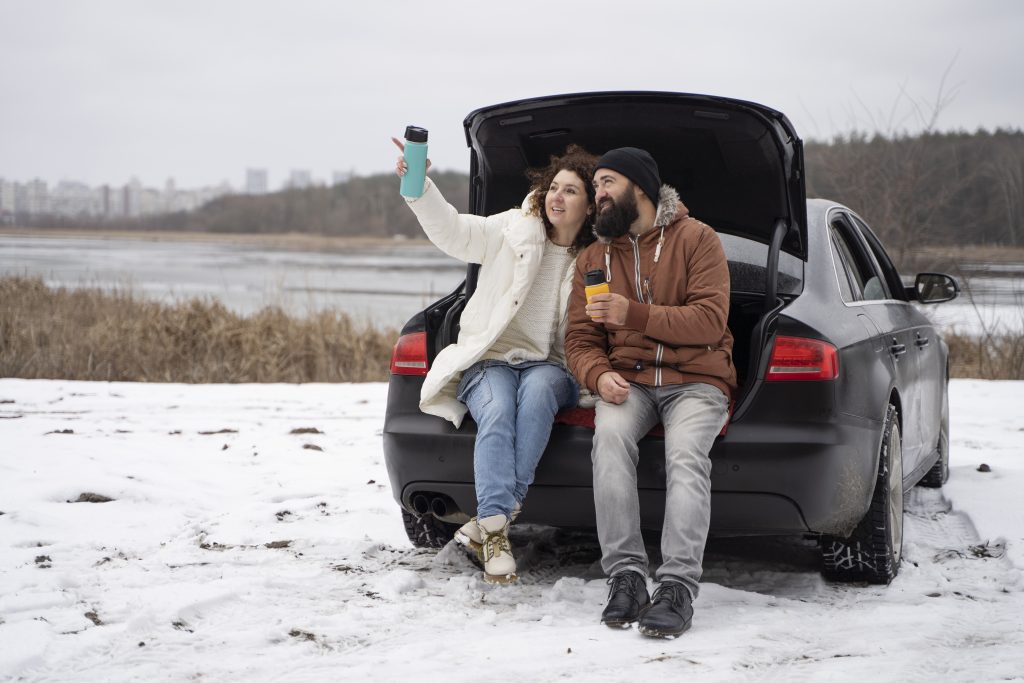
x: 636, y: 269
x: 649, y: 300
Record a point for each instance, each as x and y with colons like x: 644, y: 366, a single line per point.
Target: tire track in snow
x: 943, y: 550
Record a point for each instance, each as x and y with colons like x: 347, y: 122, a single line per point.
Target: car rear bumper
x: 768, y: 476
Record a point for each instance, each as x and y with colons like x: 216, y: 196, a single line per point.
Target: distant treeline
x: 930, y: 189
x: 364, y: 206
x: 926, y: 190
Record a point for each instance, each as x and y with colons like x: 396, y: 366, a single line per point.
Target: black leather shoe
x: 627, y: 599
x: 670, y: 614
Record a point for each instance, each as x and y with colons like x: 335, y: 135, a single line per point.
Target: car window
x: 846, y: 264
x: 748, y: 264
x: 891, y: 278
x: 875, y: 287
x: 842, y: 271
x: 860, y: 258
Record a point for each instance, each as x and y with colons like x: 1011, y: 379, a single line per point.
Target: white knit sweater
x: 532, y: 334
x: 509, y: 247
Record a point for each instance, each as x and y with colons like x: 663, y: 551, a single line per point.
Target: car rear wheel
x: 873, y: 551
x: 427, y: 531
x: 939, y: 473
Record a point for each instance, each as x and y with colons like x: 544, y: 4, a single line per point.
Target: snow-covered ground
x: 234, y: 549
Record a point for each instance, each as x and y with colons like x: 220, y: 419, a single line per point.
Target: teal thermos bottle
x: 416, y: 157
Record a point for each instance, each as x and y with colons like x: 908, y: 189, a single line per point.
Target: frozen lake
x: 991, y: 300
x: 384, y: 285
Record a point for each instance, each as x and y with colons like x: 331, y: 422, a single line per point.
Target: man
x: 656, y: 348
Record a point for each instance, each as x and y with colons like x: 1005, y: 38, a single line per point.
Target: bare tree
x: 1006, y: 172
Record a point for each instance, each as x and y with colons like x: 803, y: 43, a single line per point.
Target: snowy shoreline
x: 234, y: 549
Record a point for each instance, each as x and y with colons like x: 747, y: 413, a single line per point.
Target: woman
x: 508, y: 366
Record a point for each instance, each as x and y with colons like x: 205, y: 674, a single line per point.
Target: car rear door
x: 923, y: 344
x: 871, y: 293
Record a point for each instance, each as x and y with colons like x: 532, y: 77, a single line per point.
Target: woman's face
x: 566, y: 203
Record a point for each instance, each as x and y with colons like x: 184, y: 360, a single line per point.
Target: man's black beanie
x: 637, y: 165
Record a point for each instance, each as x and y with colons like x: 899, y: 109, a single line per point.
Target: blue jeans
x: 514, y: 407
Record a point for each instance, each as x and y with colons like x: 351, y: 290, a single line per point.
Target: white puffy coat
x: 508, y: 246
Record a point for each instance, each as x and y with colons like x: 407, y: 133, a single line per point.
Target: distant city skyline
x: 201, y: 91
x: 290, y: 178
x: 75, y: 198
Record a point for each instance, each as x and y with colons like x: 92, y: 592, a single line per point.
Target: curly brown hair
x: 578, y: 161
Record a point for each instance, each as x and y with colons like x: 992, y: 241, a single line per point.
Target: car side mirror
x: 933, y: 288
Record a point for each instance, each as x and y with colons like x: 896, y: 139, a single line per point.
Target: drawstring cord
x: 608, y: 258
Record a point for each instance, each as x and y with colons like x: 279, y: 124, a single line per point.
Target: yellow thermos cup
x: 595, y: 284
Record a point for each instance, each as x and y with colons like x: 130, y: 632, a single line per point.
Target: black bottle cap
x: 594, y: 277
x: 415, y: 134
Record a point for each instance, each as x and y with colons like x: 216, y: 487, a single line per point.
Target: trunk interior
x: 708, y: 148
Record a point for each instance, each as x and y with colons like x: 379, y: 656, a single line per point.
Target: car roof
x: 737, y: 165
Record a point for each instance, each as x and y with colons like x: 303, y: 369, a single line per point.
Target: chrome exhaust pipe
x: 421, y: 504
x: 439, y: 507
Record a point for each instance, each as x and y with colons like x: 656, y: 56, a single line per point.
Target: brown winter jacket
x: 675, y: 330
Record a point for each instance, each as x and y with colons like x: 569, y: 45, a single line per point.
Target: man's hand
x: 608, y: 308
x: 612, y: 387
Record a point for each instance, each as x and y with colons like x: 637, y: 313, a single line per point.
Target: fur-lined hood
x: 670, y: 207
x: 669, y: 210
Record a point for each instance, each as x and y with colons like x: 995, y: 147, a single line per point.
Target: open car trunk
x: 737, y: 165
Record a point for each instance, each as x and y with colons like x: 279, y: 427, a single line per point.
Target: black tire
x: 873, y: 551
x: 939, y: 473
x: 427, y: 531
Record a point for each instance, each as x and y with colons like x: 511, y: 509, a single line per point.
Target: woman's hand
x: 400, y: 166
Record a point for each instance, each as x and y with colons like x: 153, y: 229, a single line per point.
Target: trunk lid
x: 738, y: 166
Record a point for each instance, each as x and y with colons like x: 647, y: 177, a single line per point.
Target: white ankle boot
x: 499, y: 565
x: 468, y: 534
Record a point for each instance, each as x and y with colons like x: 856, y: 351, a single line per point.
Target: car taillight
x: 796, y: 358
x: 410, y: 355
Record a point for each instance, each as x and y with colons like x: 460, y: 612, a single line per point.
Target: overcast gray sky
x: 199, y: 90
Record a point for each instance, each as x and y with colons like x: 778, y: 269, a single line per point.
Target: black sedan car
x: 843, y: 382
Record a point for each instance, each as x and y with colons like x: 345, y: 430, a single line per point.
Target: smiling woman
x: 507, y: 369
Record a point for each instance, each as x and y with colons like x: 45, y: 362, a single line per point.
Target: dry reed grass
x: 997, y: 350
x: 88, y: 334
x: 989, y: 356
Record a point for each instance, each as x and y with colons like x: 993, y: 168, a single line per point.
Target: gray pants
x: 693, y: 415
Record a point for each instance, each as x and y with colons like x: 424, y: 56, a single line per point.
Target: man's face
x: 615, y: 197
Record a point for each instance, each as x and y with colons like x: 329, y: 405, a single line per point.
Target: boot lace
x: 494, y: 543
x: 672, y: 592
x: 625, y: 583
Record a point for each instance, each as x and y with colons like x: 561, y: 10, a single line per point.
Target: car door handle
x: 898, y: 349
x: 922, y: 342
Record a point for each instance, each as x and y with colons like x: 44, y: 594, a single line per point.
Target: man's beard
x: 615, y: 222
